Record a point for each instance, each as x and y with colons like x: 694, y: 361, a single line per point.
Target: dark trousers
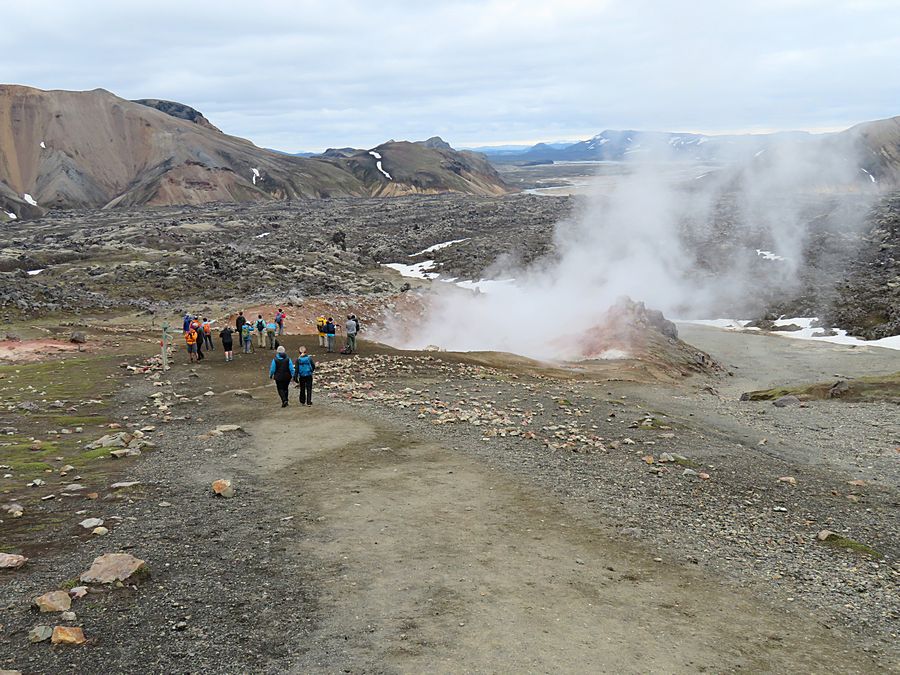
x: 207, y: 342
x: 305, y: 382
x: 283, y: 386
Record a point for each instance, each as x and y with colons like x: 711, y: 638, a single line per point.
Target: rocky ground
x: 456, y: 512
x: 165, y: 259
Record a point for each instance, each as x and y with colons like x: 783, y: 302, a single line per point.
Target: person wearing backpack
x: 247, y: 337
x: 260, y: 326
x: 303, y: 375
x: 271, y: 332
x: 226, y: 336
x: 239, y: 323
x: 207, y: 335
x: 282, y: 371
x: 190, y: 337
x: 198, y: 329
x: 280, y: 316
x: 330, y: 330
x: 320, y: 327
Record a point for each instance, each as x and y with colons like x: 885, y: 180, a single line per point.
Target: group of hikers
x: 283, y: 370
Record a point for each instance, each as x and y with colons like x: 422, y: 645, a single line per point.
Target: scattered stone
x: 12, y: 561
x: 785, y: 401
x: 78, y: 591
x: 666, y: 457
x: 100, y: 531
x: 780, y: 509
x: 209, y: 393
x: 823, y: 535
x: 124, y: 484
x: 40, y: 633
x: 54, y: 601
x: 703, y: 476
x: 688, y: 472
x: 223, y: 488
x: 242, y: 393
x: 228, y: 428
x: 68, y: 616
x: 67, y: 635
x: 790, y: 480
x: 91, y: 523
x: 112, y: 567
x: 79, y: 337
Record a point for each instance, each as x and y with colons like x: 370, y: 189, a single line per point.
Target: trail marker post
x: 165, y: 347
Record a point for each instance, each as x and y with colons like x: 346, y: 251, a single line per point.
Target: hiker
x: 330, y: 330
x: 271, y: 331
x: 351, y: 328
x: 239, y: 322
x: 303, y: 376
x: 197, y: 328
x: 320, y: 327
x: 207, y: 335
x: 280, y: 316
x: 186, y: 324
x: 190, y: 337
x: 260, y: 330
x: 282, y: 371
x: 247, y: 337
x: 226, y: 336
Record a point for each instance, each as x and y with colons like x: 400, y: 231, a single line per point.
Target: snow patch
x: 415, y: 271
x: 264, y: 234
x: 28, y: 198
x: 485, y: 285
x: 11, y: 215
x: 256, y: 175
x: 768, y: 255
x: 43, y: 145
x: 378, y: 164
x: 438, y: 247
x: 806, y: 332
x: 871, y: 177
x: 32, y: 273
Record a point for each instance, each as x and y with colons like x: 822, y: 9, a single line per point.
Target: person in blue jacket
x: 303, y: 374
x: 282, y: 371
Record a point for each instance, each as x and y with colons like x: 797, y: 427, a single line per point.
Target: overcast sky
x: 297, y: 75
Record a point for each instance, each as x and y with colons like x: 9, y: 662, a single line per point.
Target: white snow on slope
x: 32, y: 273
x: 28, y: 198
x: 43, y: 145
x: 486, y: 285
x: 438, y: 247
x: 264, y: 234
x: 871, y: 177
x: 768, y: 255
x: 255, y: 175
x: 378, y: 164
x: 416, y: 271
x: 806, y: 332
x: 11, y: 215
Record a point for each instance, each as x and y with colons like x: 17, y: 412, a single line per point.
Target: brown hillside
x: 93, y: 149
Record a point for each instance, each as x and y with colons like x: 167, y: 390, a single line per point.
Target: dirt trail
x: 430, y: 561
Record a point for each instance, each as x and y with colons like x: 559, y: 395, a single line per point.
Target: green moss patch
x: 884, y: 388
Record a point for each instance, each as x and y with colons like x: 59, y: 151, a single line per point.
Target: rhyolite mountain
x: 72, y: 149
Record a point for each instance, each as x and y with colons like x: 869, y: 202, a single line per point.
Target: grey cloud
x: 299, y: 75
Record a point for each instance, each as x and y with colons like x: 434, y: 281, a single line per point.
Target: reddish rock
x: 54, y: 601
x: 112, y: 567
x: 67, y: 635
x: 223, y: 488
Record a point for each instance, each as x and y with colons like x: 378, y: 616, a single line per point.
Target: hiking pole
x: 165, y: 347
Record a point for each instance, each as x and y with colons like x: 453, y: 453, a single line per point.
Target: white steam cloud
x: 679, y: 237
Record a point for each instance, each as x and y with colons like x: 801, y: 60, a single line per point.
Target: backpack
x: 320, y: 324
x: 282, y: 369
x: 305, y: 366
x: 245, y: 331
x: 207, y: 328
x: 260, y: 324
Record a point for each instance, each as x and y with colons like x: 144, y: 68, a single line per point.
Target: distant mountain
x: 64, y: 149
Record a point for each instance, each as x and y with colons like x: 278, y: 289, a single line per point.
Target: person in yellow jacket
x: 320, y: 326
x: 190, y: 337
